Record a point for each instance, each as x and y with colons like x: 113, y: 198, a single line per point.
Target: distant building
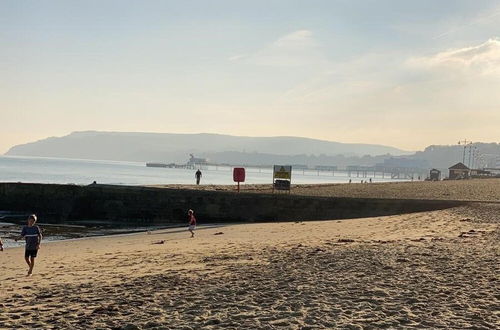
x: 459, y: 171
x: 434, y: 175
x: 480, y: 173
x: 193, y: 161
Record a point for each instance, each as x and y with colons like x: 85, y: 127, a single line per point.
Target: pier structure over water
x: 381, y: 172
x: 408, y: 173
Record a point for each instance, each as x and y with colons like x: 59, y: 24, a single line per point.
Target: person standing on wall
x: 198, y: 176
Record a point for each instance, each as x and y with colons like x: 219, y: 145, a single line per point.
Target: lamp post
x: 465, y: 143
x: 475, y: 156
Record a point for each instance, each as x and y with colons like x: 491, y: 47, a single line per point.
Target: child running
x: 192, y: 222
x: 33, y: 236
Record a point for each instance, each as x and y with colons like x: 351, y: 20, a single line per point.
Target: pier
x: 349, y: 172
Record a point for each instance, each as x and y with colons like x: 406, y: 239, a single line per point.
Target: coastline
x: 82, y: 172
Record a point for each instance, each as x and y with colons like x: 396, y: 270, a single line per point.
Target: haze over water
x: 73, y: 171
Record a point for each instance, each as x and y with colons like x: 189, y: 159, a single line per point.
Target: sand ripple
x: 363, y: 286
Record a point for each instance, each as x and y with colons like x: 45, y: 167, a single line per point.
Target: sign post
x: 238, y: 175
x: 282, y: 177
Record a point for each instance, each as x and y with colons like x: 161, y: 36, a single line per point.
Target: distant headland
x: 228, y: 149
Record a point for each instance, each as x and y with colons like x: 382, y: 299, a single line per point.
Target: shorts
x: 30, y: 253
x: 192, y: 227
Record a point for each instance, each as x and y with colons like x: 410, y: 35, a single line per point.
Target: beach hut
x: 435, y: 175
x: 459, y: 171
x: 480, y: 173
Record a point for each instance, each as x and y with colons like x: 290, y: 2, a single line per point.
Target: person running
x: 1, y: 245
x: 192, y: 222
x: 198, y: 176
x: 33, y: 236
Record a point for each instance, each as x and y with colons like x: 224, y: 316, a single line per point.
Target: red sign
x: 238, y: 174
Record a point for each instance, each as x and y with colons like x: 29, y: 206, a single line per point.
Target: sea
x: 84, y: 172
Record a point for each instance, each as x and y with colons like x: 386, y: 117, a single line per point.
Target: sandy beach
x: 421, y: 270
x: 463, y: 190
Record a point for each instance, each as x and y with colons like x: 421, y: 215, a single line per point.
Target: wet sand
x: 421, y: 270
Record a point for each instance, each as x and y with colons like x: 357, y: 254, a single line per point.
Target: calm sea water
x: 76, y: 171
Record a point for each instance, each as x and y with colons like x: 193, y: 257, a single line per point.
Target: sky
x: 402, y: 73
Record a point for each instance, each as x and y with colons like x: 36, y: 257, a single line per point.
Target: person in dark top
x: 192, y: 222
x: 198, y: 176
x: 33, y: 236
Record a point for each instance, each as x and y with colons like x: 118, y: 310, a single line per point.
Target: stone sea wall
x: 131, y: 205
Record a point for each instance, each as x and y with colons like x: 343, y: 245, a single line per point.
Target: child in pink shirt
x: 192, y: 222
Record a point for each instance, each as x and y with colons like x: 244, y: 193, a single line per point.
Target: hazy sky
x: 400, y: 73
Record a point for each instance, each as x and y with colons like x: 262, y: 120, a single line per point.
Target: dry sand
x: 469, y: 190
x: 423, y: 270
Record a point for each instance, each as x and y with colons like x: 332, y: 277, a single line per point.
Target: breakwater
x: 132, y: 205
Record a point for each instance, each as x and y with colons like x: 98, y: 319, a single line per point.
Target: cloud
x: 402, y: 89
x: 346, y: 80
x: 480, y: 59
x: 485, y: 18
x: 297, y: 39
x: 298, y: 48
x: 386, y: 95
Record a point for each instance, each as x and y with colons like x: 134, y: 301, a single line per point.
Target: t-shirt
x: 192, y: 220
x: 31, y: 235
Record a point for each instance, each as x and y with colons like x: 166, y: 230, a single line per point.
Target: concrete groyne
x: 132, y: 205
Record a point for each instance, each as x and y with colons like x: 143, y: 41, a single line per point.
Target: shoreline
x: 166, y: 230
x: 130, y: 173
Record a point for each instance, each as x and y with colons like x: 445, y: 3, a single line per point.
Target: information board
x: 282, y: 177
x: 283, y: 172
